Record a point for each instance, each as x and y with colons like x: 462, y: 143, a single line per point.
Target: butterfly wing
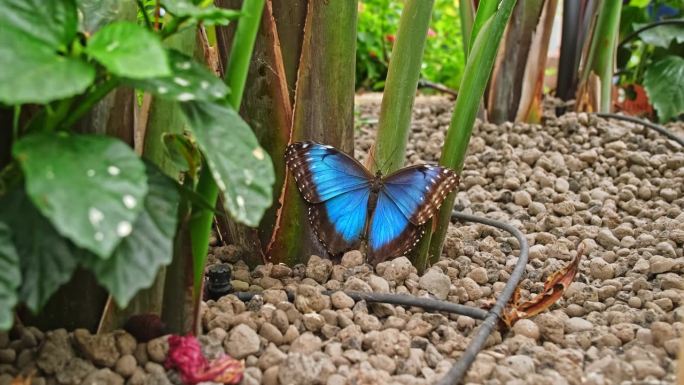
x: 337, y: 186
x: 339, y: 222
x: 418, y: 191
x: 408, y: 199
x: 391, y: 234
x: 322, y: 172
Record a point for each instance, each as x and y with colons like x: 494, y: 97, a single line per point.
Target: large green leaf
x: 241, y: 168
x: 129, y: 50
x: 662, y: 35
x: 135, y: 262
x: 31, y: 34
x: 33, y: 73
x: 207, y: 13
x: 189, y: 81
x: 96, y: 13
x: 49, y: 23
x: 89, y: 186
x: 664, y: 84
x: 47, y: 259
x: 10, y: 277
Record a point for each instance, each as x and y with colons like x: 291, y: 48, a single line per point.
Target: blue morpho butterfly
x: 350, y: 206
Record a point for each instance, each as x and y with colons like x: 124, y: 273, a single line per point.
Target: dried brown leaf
x: 554, y: 287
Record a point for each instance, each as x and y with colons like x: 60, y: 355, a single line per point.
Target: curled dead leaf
x: 554, y: 287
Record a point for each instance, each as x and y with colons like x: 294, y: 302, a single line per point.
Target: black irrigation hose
x: 422, y: 302
x: 647, y: 27
x: 458, y: 371
x: 656, y: 127
x: 491, y: 317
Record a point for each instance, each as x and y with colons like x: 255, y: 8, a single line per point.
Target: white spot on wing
x: 99, y: 236
x: 90, y: 173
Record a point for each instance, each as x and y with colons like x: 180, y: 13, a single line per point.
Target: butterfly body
x: 349, y: 207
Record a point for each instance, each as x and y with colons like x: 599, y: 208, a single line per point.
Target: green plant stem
x: 485, y: 10
x: 15, y: 122
x: 466, y: 14
x: 401, y: 84
x: 476, y: 74
x: 602, y: 49
x: 235, y: 78
x: 56, y: 115
x: 146, y: 17
x: 100, y: 91
x: 241, y: 52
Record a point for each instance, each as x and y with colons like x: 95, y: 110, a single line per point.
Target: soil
x: 615, y: 186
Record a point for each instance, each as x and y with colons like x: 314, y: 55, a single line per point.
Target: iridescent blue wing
x: 408, y: 199
x: 418, y: 191
x: 337, y: 186
x: 391, y: 234
x: 323, y: 172
x: 339, y: 222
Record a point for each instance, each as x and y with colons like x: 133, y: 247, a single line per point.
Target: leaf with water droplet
x: 206, y: 13
x: 135, y: 262
x: 91, y: 175
x: 247, y: 194
x: 189, y: 80
x: 127, y: 49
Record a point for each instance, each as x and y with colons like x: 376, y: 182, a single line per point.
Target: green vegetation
x: 89, y: 200
x: 650, y: 54
x: 443, y: 59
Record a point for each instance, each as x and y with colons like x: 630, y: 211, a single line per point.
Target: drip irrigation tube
x: 656, y: 127
x: 491, y: 317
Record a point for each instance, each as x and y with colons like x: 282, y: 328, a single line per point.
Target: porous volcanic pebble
x: 242, y: 341
x: 436, y: 283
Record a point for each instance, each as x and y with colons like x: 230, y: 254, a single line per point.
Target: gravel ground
x: 614, y: 185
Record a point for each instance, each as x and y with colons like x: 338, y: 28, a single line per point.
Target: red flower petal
x: 185, y: 355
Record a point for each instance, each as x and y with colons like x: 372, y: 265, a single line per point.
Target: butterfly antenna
x: 389, y: 159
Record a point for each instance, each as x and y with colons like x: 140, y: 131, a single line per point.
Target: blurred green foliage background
x: 443, y: 60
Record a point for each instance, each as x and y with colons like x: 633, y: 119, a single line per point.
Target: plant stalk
x: 601, y: 58
x: 235, y: 78
x: 485, y: 10
x: 466, y: 12
x: 401, y: 85
x: 476, y: 74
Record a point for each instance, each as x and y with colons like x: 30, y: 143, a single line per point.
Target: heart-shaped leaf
x: 47, y: 259
x: 90, y: 187
x: 208, y: 14
x: 135, y: 262
x: 189, y: 81
x: 10, y: 277
x: 97, y: 13
x: 241, y: 168
x: 31, y: 35
x: 49, y: 23
x: 664, y: 84
x: 129, y: 50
